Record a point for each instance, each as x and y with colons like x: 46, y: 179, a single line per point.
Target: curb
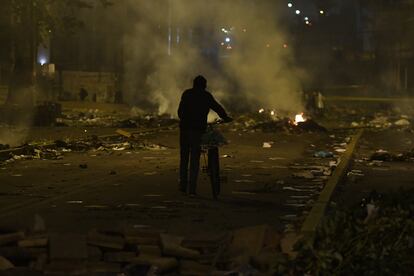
x: 315, y: 216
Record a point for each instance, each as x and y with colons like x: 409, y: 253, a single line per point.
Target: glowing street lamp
x: 322, y: 12
x: 297, y: 12
x: 290, y: 5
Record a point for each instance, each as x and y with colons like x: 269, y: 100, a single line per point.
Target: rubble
x: 56, y: 150
x: 102, y: 118
x: 402, y: 122
x: 143, y: 250
x: 4, y: 146
x: 383, y: 155
x: 5, y: 264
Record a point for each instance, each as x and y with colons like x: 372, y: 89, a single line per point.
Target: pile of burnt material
x: 270, y: 122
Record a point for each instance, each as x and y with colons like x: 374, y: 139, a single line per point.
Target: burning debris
x: 274, y: 121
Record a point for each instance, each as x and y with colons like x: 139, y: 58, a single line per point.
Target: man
x: 193, y: 110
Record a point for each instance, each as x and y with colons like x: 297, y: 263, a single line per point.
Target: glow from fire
x: 261, y: 110
x: 299, y: 119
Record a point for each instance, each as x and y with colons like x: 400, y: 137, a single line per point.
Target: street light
x: 321, y: 12
x: 290, y: 5
x: 297, y: 11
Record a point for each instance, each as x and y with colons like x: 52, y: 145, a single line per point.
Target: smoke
x: 238, y: 45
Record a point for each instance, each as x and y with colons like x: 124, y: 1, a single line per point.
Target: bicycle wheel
x: 214, y: 170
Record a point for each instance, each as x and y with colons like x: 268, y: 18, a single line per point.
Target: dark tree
x: 30, y: 23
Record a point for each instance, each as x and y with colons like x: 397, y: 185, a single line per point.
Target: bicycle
x: 210, y: 144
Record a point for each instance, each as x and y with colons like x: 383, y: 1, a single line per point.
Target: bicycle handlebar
x: 220, y: 121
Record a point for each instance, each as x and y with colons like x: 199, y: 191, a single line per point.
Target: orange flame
x: 299, y: 119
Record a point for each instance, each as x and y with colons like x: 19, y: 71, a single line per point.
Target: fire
x: 299, y: 119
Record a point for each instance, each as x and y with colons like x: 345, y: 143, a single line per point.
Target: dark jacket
x: 194, y: 107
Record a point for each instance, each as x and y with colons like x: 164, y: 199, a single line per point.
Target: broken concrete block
x: 40, y: 263
x: 21, y: 254
x: 5, y: 264
x: 182, y: 252
x: 11, y: 237
x: 34, y: 242
x: 162, y: 263
x: 266, y: 259
x: 142, y: 236
x: 102, y: 267
x: 194, y: 268
x: 119, y: 257
x: 94, y: 253
x: 124, y: 133
x: 170, y: 240
x: 152, y: 250
x: 287, y: 243
x: 171, y: 246
x: 139, y: 240
x: 66, y: 268
x: 21, y: 271
x: 67, y: 247
x: 106, y: 241
x: 205, y: 242
x: 251, y: 240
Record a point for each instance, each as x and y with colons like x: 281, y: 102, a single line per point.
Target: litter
x: 267, y: 144
x: 323, y: 154
x: 244, y: 181
x: 402, y: 122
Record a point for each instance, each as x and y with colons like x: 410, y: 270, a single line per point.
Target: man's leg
x: 195, y: 152
x: 184, y: 158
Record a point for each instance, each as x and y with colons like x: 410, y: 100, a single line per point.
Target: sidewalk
x: 383, y: 177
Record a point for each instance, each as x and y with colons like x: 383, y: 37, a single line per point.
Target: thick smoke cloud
x: 171, y: 41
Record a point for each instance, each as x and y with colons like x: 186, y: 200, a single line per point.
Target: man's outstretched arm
x: 218, y: 109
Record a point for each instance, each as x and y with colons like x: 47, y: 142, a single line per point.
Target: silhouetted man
x: 193, y: 110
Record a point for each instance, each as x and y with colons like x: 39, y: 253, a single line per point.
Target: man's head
x: 200, y: 83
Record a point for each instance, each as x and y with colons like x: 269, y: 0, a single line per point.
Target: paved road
x: 140, y: 188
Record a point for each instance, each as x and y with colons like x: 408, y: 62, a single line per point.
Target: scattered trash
x: 244, y: 181
x: 276, y: 158
x: 267, y: 144
x: 242, y: 193
x: 74, y: 202
x: 150, y: 173
x: 305, y: 174
x: 354, y: 175
x: 323, y: 154
x: 402, y: 122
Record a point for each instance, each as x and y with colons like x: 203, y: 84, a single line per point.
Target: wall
x: 103, y: 84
